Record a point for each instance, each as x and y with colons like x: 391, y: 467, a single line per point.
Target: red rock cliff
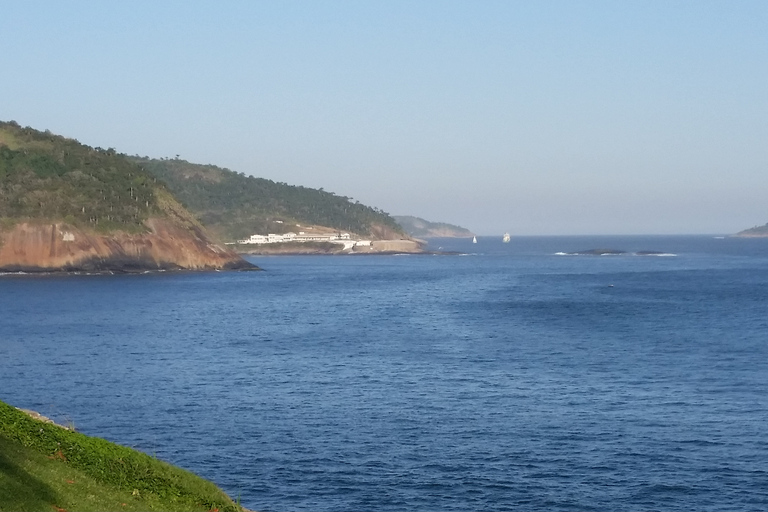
x: 46, y: 247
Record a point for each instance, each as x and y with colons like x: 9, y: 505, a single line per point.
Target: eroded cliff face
x: 50, y: 247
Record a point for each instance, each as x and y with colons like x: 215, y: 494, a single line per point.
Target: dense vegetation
x: 234, y: 205
x: 45, y: 176
x: 46, y: 467
x: 48, y: 177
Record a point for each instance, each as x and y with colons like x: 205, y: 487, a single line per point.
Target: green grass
x: 46, y: 467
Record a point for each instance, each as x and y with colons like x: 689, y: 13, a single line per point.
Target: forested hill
x: 233, y: 205
x: 49, y: 177
x: 65, y: 206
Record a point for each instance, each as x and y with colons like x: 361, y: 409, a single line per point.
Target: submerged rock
x: 598, y: 252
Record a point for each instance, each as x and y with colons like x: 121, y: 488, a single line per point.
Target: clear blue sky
x: 533, y: 117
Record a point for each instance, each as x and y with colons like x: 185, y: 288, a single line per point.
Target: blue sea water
x: 505, y: 378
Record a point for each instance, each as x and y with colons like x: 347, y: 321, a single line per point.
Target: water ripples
x: 417, y: 383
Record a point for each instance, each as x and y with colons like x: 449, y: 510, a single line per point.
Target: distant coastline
x: 755, y: 232
x: 421, y: 228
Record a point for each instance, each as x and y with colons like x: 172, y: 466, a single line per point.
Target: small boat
x: 505, y: 238
x: 474, y: 239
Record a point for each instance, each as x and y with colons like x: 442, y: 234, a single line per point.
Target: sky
x: 531, y: 117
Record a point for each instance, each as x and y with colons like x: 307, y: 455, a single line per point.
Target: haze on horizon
x: 552, y: 117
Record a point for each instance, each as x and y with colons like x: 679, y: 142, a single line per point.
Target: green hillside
x: 233, y: 205
x: 47, y: 467
x: 48, y: 177
x: 52, y: 178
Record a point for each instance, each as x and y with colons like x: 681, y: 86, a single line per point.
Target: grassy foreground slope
x: 234, y: 206
x: 46, y: 467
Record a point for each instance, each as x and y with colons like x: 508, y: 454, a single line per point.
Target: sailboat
x: 474, y: 239
x: 505, y: 238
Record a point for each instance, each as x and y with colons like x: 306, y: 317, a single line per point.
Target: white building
x: 272, y: 238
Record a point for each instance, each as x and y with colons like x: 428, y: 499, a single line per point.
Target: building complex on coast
x: 339, y: 238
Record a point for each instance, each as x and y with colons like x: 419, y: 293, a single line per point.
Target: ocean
x: 500, y: 377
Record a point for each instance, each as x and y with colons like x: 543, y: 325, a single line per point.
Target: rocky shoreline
x: 380, y: 247
x: 39, y: 417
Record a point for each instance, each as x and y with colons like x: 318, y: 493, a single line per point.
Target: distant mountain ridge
x: 755, y: 232
x: 234, y: 206
x: 421, y: 228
